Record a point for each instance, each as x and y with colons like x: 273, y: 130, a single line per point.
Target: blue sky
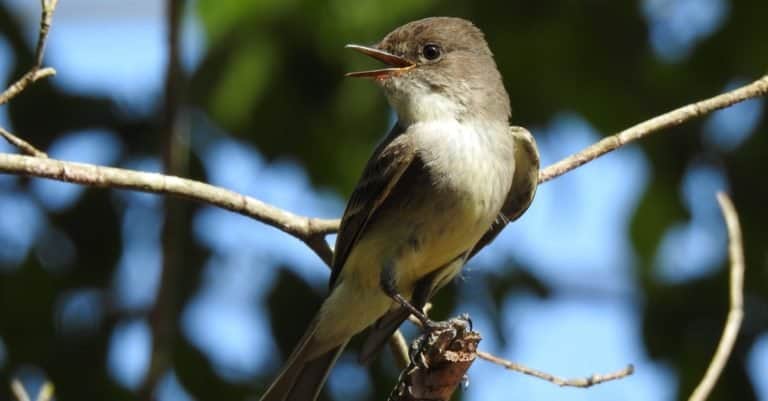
x: 567, y: 244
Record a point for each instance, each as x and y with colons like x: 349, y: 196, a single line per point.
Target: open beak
x: 396, y: 64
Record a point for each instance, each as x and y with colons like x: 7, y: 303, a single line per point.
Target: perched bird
x: 435, y: 191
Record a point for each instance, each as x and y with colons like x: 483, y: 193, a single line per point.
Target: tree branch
x: 26, y: 79
x: 36, y: 72
x: 666, y: 120
x: 49, y: 6
x: 313, y: 230
x: 304, y: 228
x: 580, y: 382
x: 736, y: 309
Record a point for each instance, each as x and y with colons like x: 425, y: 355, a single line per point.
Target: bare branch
x: 316, y: 240
x: 22, y: 145
x: 736, y: 309
x: 666, y: 120
x: 725, y: 347
x: 311, y: 230
x: 36, y: 72
x: 301, y: 227
x: 579, y: 382
x: 26, y: 79
x: 399, y: 348
x: 48, y: 6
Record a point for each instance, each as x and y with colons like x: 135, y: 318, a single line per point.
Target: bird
x: 449, y: 175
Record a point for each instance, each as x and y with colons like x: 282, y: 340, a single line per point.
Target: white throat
x: 421, y: 104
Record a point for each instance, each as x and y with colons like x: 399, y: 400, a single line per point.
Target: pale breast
x: 472, y: 160
x: 441, y: 207
x: 471, y: 169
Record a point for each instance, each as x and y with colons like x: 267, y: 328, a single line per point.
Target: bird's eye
x: 431, y: 52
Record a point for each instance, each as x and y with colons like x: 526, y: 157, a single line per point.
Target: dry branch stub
x: 440, y: 360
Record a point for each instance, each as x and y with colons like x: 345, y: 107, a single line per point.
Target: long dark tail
x: 302, y: 378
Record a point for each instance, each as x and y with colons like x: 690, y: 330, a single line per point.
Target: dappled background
x: 117, y: 295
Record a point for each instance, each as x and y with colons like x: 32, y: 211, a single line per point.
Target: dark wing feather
x: 388, y: 163
x: 523, y: 187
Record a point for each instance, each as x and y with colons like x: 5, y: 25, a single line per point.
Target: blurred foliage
x: 272, y: 76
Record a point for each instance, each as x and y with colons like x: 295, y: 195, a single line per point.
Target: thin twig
x: 579, y: 382
x: 48, y: 6
x: 22, y: 145
x: 399, y: 348
x: 666, y: 120
x: 26, y: 79
x: 36, y: 71
x: 736, y: 309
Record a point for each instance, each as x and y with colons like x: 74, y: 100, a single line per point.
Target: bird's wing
x: 523, y: 188
x: 385, y: 168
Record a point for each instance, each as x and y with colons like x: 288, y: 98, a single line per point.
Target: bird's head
x: 438, y: 68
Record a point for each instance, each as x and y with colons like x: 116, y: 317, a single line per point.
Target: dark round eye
x: 432, y: 52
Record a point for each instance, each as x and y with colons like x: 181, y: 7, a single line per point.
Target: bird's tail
x: 304, y: 374
x: 380, y: 332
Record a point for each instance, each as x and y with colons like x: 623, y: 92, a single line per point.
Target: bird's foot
x: 437, y: 336
x: 462, y: 323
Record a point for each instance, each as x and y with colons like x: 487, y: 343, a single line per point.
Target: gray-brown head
x: 439, y: 67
